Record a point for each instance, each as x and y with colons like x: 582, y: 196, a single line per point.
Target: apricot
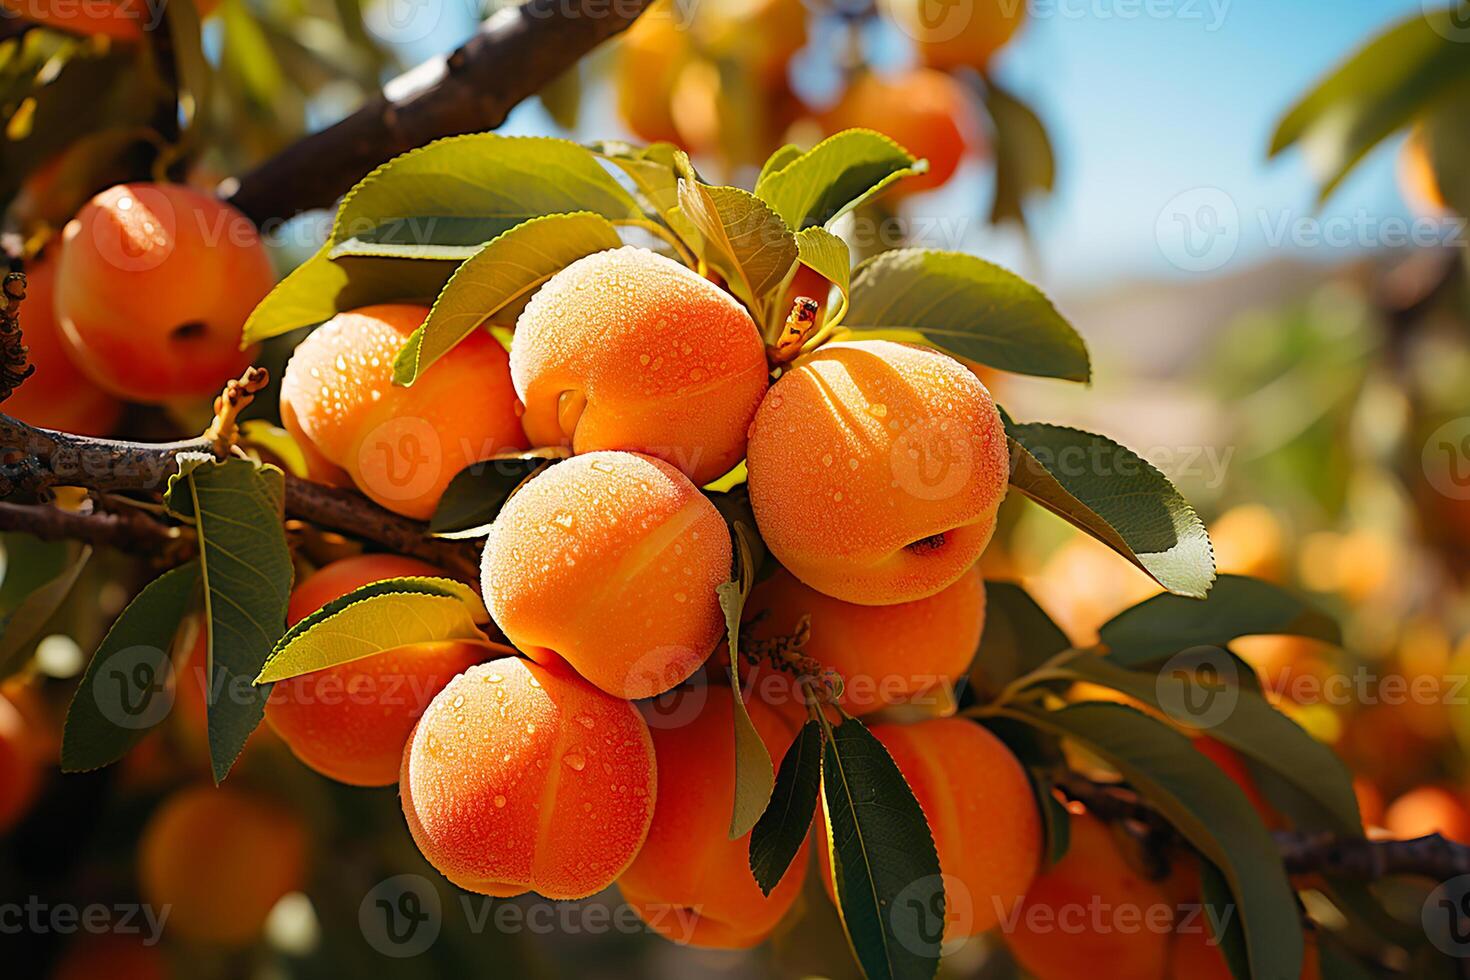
x: 690, y: 882
x: 965, y: 36
x: 1195, y: 955
x: 350, y: 722
x: 220, y: 859
x: 627, y: 349
x: 400, y: 446
x: 524, y: 777
x: 1083, y: 585
x: 1091, y: 914
x: 154, y: 284
x: 20, y: 772
x: 609, y: 562
x: 1418, y: 183
x: 650, y: 57
x: 876, y: 469
x: 885, y: 654
x: 981, y: 813
x: 927, y: 112
x: 1250, y: 540
x: 58, y: 395
x: 121, y: 20
x: 1428, y: 810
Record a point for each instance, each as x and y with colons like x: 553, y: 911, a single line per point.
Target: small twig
x: 228, y: 405
x: 130, y: 531
x: 15, y: 364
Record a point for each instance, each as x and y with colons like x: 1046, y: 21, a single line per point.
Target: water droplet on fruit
x: 587, y: 721
x: 576, y: 760
x: 499, y: 801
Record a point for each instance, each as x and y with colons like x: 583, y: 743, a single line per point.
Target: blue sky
x: 1145, y: 100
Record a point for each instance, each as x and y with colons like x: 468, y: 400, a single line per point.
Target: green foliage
x: 237, y: 510
x: 812, y: 189
x: 1206, y: 807
x: 510, y: 268
x: 1024, y: 162
x: 782, y: 829
x: 1019, y: 636
x: 754, y: 778
x: 884, y: 866
x: 969, y: 307
x: 476, y: 494
x: 1236, y: 606
x: 827, y: 255
x: 1118, y: 498
x: 379, y: 616
x: 38, y: 577
x: 114, y: 705
x: 1380, y: 89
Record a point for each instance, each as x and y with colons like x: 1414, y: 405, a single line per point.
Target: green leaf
x: 369, y: 247
x: 754, y: 778
x: 510, y: 268
x: 744, y: 240
x: 1024, y: 161
x: 779, y: 833
x: 1378, y: 90
x: 1056, y: 823
x: 1118, y: 498
x: 38, y: 577
x: 833, y: 177
x: 777, y: 161
x: 378, y: 616
x: 827, y: 255
x: 1252, y: 727
x: 654, y: 172
x: 1446, y: 135
x: 1219, y: 906
x: 562, y: 98
x: 1206, y: 807
x: 192, y: 67
x: 475, y: 495
x: 1236, y: 606
x: 482, y: 175
x: 885, y: 868
x: 1019, y: 637
x: 321, y: 287
x: 122, y: 696
x: 969, y: 307
x: 237, y: 508
x: 245, y: 53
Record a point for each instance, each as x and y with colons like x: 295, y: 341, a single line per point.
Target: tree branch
x: 1301, y: 853
x: 131, y: 531
x: 515, y: 53
x: 14, y: 356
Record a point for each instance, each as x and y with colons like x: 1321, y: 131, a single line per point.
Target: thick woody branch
x: 515, y: 53
x: 14, y: 357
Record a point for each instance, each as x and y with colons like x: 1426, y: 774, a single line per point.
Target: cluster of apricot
x: 680, y: 72
x: 142, y: 300
x: 875, y: 470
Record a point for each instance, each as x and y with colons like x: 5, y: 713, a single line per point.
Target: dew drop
x: 576, y: 760
x: 499, y: 801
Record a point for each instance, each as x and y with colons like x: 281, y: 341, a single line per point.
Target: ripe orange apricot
x: 649, y: 58
x: 885, y: 654
x: 58, y: 395
x: 927, y: 112
x: 610, y: 562
x: 1091, y: 914
x: 524, y: 777
x: 627, y: 349
x: 964, y: 36
x: 981, y: 812
x: 876, y: 470
x: 1428, y: 810
x: 690, y: 882
x: 1194, y: 955
x: 121, y: 20
x: 400, y: 446
x: 20, y: 773
x: 154, y: 284
x: 350, y: 722
x: 220, y: 859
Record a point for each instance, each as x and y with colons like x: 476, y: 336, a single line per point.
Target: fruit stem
x: 798, y: 328
x: 783, y: 653
x: 236, y: 397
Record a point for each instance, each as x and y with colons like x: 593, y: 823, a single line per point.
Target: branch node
x: 15, y: 364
